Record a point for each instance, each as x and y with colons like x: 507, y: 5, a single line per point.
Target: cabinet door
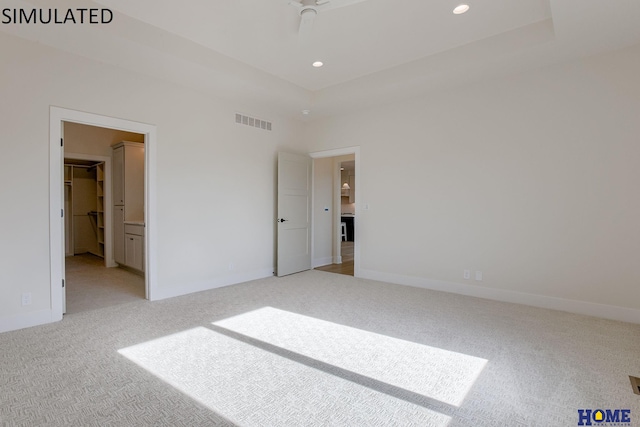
x: 352, y: 192
x: 118, y: 176
x: 344, y: 178
x: 133, y: 251
x: 118, y: 234
x: 134, y: 183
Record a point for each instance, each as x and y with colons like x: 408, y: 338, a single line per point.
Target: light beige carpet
x: 316, y: 349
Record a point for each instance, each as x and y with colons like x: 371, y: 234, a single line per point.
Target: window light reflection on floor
x: 432, y: 372
x: 254, y: 387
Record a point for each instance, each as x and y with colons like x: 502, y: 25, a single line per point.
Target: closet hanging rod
x: 83, y: 166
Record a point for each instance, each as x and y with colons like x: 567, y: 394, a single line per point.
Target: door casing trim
x: 57, y: 115
x: 355, y: 150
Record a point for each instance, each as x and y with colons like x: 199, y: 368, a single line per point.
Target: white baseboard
x: 320, y: 262
x: 26, y: 320
x: 605, y: 311
x: 218, y: 282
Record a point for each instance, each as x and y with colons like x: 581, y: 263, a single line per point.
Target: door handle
x: 282, y: 220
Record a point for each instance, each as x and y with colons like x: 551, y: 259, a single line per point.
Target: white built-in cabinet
x: 344, y: 178
x: 118, y: 176
x: 118, y: 234
x: 128, y: 179
x: 128, y: 204
x: 134, y: 246
x: 350, y: 178
x: 352, y: 184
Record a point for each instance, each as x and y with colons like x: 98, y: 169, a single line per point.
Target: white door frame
x: 356, y: 221
x: 56, y: 196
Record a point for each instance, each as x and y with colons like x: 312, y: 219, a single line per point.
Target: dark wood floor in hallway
x: 347, y: 261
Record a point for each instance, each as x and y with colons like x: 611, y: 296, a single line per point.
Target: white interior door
x: 294, y: 213
x: 66, y: 220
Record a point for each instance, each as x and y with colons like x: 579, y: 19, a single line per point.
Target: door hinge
x: 63, y: 283
x: 61, y: 213
x: 61, y: 142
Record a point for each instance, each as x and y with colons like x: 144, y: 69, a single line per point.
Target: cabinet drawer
x: 138, y: 230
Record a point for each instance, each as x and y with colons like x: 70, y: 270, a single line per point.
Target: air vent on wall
x: 241, y: 119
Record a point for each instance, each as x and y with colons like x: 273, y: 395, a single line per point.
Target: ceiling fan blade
x: 335, y: 4
x: 307, y: 18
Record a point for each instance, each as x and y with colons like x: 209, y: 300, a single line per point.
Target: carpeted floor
x: 315, y: 349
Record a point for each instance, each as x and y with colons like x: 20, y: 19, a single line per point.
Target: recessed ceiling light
x: 317, y: 64
x: 306, y: 112
x: 461, y: 9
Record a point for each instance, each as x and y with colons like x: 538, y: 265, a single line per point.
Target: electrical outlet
x: 26, y: 298
x: 479, y: 276
x: 231, y: 266
x: 466, y: 274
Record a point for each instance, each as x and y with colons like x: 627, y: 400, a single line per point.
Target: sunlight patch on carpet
x: 432, y: 372
x: 253, y: 387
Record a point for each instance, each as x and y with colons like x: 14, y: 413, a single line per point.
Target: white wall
x: 532, y: 180
x: 215, y: 179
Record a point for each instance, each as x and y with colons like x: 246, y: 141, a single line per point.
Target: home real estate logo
x: 57, y: 16
x: 604, y: 417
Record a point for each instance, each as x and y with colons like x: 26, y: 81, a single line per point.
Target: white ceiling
x: 352, y: 41
x: 374, y: 50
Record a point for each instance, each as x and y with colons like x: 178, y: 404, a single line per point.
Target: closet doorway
x: 91, y: 223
